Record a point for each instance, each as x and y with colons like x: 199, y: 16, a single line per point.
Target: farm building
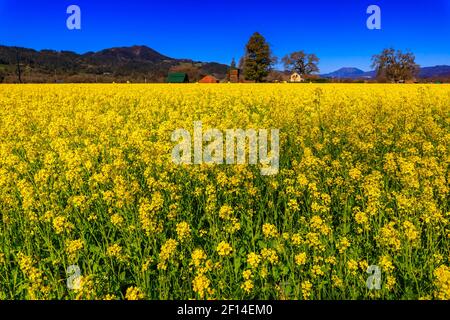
x: 234, y: 75
x: 177, y: 77
x: 295, y: 77
x: 209, y: 79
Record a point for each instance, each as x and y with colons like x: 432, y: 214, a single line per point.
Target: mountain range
x: 136, y: 63
x: 442, y: 71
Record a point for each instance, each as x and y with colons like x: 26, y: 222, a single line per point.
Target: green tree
x: 395, y: 66
x: 301, y: 62
x: 258, y: 59
x: 233, y: 64
x: 231, y: 69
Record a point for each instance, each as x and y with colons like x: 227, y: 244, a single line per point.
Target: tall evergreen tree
x: 258, y: 59
x: 233, y: 64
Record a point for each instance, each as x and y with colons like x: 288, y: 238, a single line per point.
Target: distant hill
x: 351, y: 73
x: 355, y: 73
x: 126, y: 54
x: 435, y: 72
x: 136, y: 64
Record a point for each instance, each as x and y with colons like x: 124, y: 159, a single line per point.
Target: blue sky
x: 217, y: 30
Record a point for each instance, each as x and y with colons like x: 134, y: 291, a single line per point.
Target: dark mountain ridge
x: 135, y: 64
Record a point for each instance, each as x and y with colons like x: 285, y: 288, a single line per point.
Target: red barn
x: 209, y: 79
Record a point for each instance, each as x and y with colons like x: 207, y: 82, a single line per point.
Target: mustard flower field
x: 93, y: 207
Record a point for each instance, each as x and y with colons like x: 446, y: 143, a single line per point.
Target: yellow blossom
x: 183, y: 230
x: 134, y: 293
x: 300, y: 259
x: 224, y: 249
x: 269, y: 230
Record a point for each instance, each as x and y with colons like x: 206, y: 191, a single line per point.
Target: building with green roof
x: 177, y: 77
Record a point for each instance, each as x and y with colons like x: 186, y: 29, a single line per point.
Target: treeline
x: 258, y: 63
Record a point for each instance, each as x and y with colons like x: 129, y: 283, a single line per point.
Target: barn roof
x: 177, y: 77
x: 209, y: 79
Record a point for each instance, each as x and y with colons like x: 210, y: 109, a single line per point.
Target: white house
x: 295, y: 77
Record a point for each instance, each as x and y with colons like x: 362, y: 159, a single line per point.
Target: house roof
x: 177, y: 77
x: 209, y: 79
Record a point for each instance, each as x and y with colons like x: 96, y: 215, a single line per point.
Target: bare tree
x: 395, y: 66
x: 301, y: 62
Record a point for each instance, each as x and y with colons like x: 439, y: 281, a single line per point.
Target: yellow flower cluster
x: 300, y: 259
x: 253, y: 259
x: 442, y: 282
x: 167, y: 251
x: 34, y: 276
x: 224, y: 248
x: 117, y: 220
x: 73, y: 247
x: 200, y: 284
x: 183, y: 230
x: 269, y: 255
x: 134, y: 293
x: 269, y: 230
x: 114, y: 251
x: 61, y: 224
